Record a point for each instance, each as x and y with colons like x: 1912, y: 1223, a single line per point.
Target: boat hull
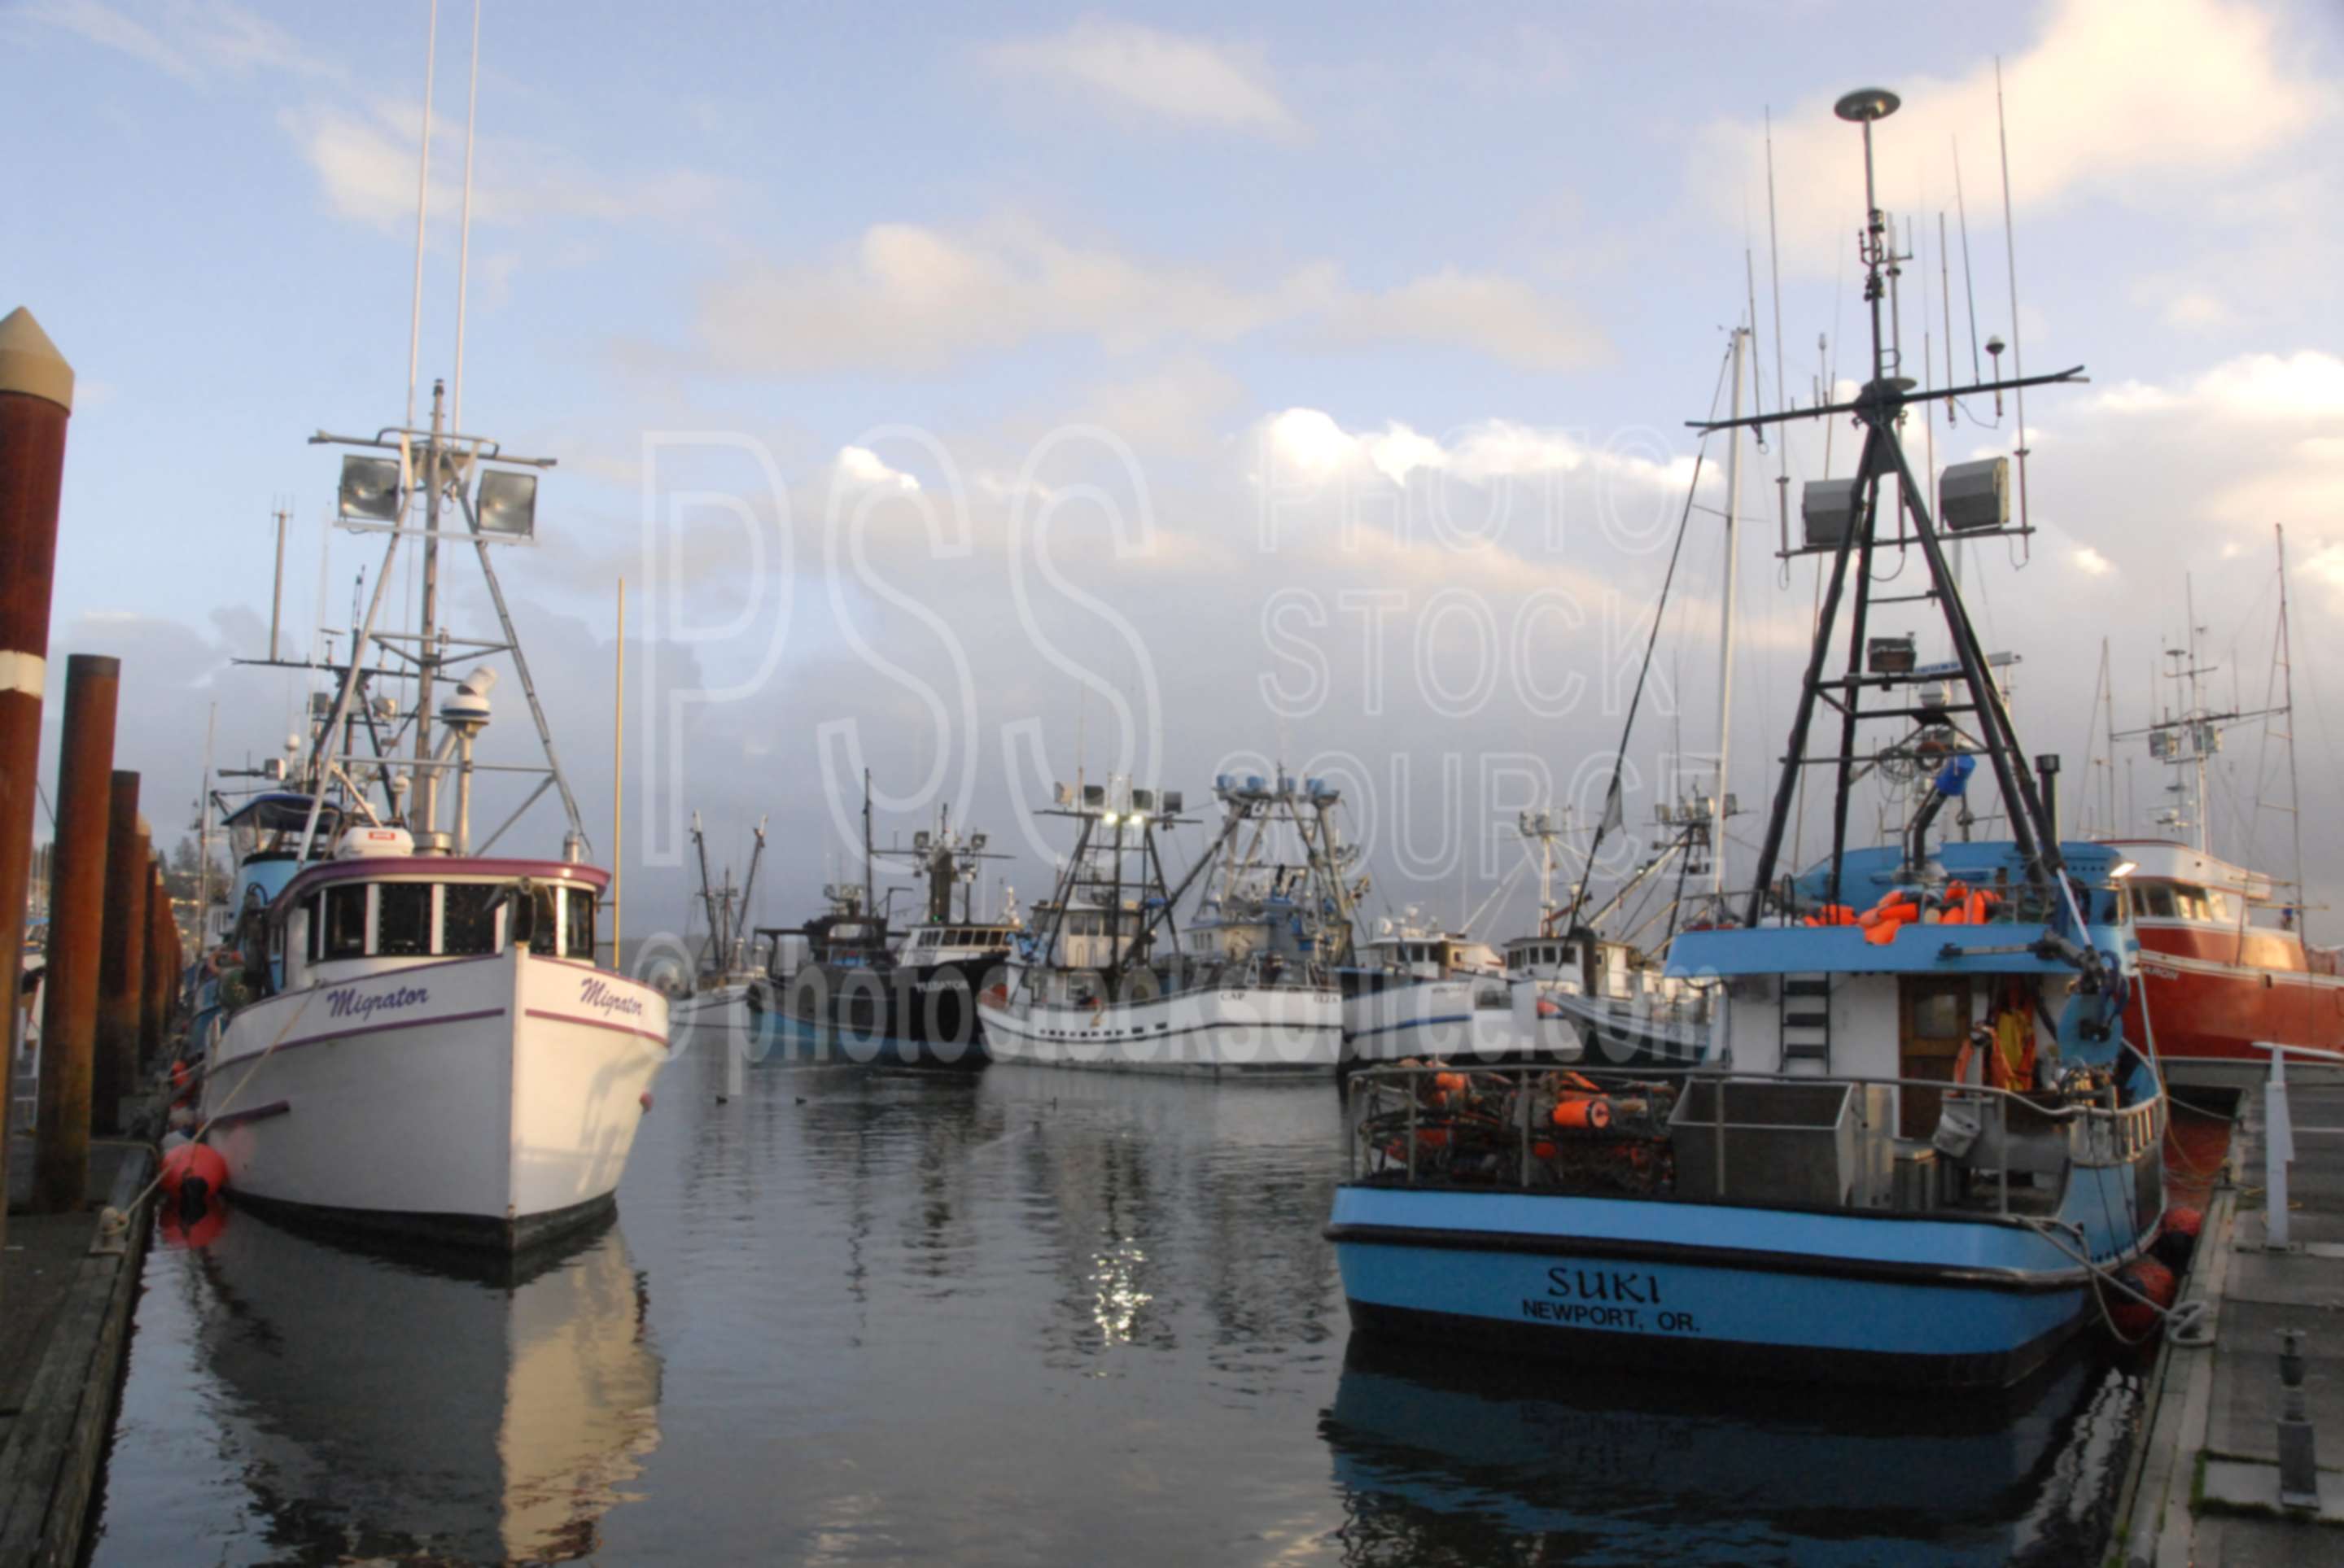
x: 1566, y: 1026
x: 922, y: 1015
x: 490, y: 1101
x: 1428, y: 1019
x: 1916, y: 1299
x: 1234, y: 1032
x: 2205, y: 1012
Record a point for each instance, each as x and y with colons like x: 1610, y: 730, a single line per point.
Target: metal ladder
x: 1805, y: 1016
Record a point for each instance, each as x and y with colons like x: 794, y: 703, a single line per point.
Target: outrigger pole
x: 1879, y: 407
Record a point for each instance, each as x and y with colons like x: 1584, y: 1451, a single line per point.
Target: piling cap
x: 30, y: 363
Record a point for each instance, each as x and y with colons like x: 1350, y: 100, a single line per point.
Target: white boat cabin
x: 368, y: 912
x: 1422, y: 956
x: 947, y: 943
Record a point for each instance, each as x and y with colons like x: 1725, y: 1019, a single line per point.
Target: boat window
x: 2156, y: 900
x: 403, y: 918
x: 1941, y: 1014
x: 345, y: 924
x: 577, y: 923
x: 2217, y: 906
x: 2190, y: 902
x: 468, y: 917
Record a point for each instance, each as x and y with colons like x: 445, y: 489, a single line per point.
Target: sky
x: 987, y: 398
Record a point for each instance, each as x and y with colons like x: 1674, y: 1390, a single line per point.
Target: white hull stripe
x: 2152, y: 961
x: 27, y: 673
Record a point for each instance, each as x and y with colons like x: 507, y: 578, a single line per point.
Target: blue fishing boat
x: 1922, y: 1142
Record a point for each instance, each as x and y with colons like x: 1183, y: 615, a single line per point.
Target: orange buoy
x: 2135, y: 1319
x: 1591, y: 1114
x: 191, y: 1162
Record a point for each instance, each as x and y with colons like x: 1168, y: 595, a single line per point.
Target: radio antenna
x: 1945, y: 292
x: 464, y: 243
x: 422, y: 206
x: 1969, y: 287
x: 2010, y: 246
x: 1781, y: 388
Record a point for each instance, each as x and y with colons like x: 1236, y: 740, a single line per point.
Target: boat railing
x: 1712, y: 1134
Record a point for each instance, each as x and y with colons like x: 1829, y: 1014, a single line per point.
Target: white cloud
x: 192, y: 43
x: 366, y: 157
x: 862, y: 467
x: 1159, y: 73
x: 2090, y: 562
x: 2114, y: 97
x: 911, y: 298
x: 2306, y: 384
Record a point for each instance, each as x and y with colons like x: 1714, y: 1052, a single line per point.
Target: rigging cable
x: 1684, y: 522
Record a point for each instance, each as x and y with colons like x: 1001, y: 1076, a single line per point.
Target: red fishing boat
x: 2224, y: 964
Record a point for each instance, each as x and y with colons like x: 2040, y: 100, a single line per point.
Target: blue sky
x: 1370, y: 247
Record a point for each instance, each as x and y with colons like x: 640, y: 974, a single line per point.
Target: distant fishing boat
x: 719, y: 995
x: 1416, y: 992
x: 1925, y: 1147
x: 875, y: 994
x: 399, y: 1030
x: 1110, y: 978
x: 2225, y: 964
x: 1577, y: 995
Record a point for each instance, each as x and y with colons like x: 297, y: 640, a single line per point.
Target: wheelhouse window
x: 403, y: 918
x: 2156, y: 900
x: 468, y: 919
x: 577, y: 923
x: 344, y: 927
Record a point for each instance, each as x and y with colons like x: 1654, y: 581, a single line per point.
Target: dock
x: 2204, y: 1487
x: 70, y: 1284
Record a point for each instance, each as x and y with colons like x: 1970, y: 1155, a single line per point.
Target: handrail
x: 2129, y: 1130
x: 1710, y: 1073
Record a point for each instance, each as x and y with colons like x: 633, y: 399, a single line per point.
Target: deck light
x: 507, y: 505
x: 370, y: 491
x: 2122, y: 869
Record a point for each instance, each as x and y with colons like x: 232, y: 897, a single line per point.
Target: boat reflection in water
x: 396, y: 1404
x: 1444, y: 1457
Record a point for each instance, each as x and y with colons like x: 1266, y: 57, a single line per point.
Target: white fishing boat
x: 402, y: 1032
x: 1107, y: 977
x: 1415, y: 992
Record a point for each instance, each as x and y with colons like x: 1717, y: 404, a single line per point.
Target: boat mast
x: 2287, y: 711
x: 1725, y: 627
x: 1880, y: 408
x: 870, y: 896
x: 749, y: 885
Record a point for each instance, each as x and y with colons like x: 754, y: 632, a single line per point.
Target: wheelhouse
x: 938, y: 944
x: 363, y: 916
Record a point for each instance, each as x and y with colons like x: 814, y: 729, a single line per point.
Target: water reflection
x: 380, y: 1403
x: 1451, y: 1457
x: 900, y: 1315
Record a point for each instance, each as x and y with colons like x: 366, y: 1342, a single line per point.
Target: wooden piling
x: 36, y: 401
x: 161, y: 970
x: 123, y: 944
x: 77, y: 905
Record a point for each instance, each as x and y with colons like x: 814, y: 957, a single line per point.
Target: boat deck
x: 2204, y: 1488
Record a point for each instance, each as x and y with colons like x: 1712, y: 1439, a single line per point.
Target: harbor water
x: 1015, y: 1316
